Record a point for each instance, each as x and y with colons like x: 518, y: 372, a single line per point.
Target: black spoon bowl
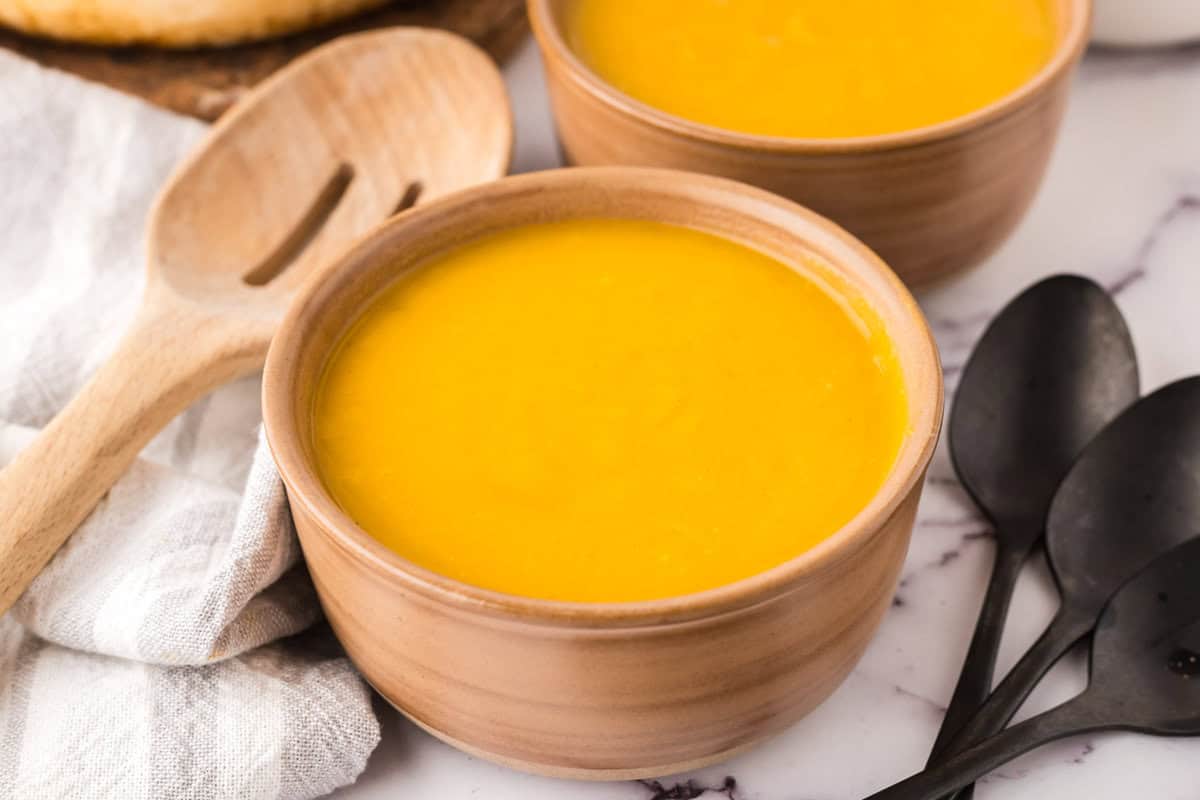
x: 1144, y: 677
x: 1054, y: 367
x: 1133, y: 495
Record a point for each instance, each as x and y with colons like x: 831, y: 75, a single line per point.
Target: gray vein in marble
x: 689, y: 790
x: 1088, y: 749
x: 1184, y: 206
x: 1123, y: 282
x: 938, y: 709
x: 947, y: 556
x: 960, y: 334
x: 1078, y: 753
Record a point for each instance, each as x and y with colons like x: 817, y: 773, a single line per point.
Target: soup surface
x: 814, y: 68
x: 608, y: 410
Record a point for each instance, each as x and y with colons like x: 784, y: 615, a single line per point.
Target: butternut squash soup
x: 608, y: 410
x: 814, y: 68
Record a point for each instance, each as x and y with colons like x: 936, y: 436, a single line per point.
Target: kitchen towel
x: 158, y: 655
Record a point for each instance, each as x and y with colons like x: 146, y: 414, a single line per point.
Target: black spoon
x: 1144, y: 677
x: 1133, y: 495
x: 1051, y: 370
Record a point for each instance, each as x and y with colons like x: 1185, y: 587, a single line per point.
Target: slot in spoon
x: 1054, y: 367
x: 1133, y: 495
x: 1144, y: 676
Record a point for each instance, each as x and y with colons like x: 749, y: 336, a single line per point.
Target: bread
x: 172, y: 23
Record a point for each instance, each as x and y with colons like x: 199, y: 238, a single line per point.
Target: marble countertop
x: 1121, y: 204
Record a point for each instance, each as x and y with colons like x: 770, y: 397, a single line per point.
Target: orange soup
x: 608, y: 410
x: 814, y: 68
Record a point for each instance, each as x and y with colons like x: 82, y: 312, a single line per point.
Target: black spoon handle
x: 979, y: 667
x: 1067, y: 628
x: 1069, y: 719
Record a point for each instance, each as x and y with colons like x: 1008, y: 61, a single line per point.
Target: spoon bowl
x: 1145, y: 663
x: 308, y: 162
x: 1134, y: 495
x: 1054, y: 367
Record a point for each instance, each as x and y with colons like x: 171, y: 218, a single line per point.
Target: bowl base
x: 576, y: 773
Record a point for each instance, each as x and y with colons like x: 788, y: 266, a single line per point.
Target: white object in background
x: 1146, y: 23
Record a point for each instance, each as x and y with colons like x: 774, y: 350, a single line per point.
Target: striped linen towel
x: 157, y: 656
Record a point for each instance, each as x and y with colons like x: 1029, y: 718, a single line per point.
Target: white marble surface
x: 1122, y: 204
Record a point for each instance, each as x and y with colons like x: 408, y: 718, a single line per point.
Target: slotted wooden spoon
x: 309, y: 161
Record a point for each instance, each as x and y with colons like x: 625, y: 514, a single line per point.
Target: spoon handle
x: 172, y: 354
x: 1067, y: 628
x: 975, y: 680
x: 1076, y: 717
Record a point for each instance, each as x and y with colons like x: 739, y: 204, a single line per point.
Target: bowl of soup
x: 923, y: 128
x: 605, y: 472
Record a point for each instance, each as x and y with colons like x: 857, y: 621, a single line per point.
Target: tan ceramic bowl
x: 600, y: 690
x: 930, y: 201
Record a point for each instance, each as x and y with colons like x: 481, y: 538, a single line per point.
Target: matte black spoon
x: 1054, y: 367
x: 1133, y: 495
x: 1144, y: 677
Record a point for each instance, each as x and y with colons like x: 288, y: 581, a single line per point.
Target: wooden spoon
x: 309, y: 161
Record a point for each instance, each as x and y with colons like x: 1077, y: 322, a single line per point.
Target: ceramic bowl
x: 601, y: 691
x: 930, y: 201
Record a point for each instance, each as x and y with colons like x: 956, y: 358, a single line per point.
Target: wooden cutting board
x: 203, y: 83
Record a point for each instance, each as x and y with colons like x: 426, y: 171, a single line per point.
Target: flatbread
x: 172, y: 23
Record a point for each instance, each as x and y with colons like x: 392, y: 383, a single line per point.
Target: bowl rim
x: 304, y: 487
x: 1070, y: 48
